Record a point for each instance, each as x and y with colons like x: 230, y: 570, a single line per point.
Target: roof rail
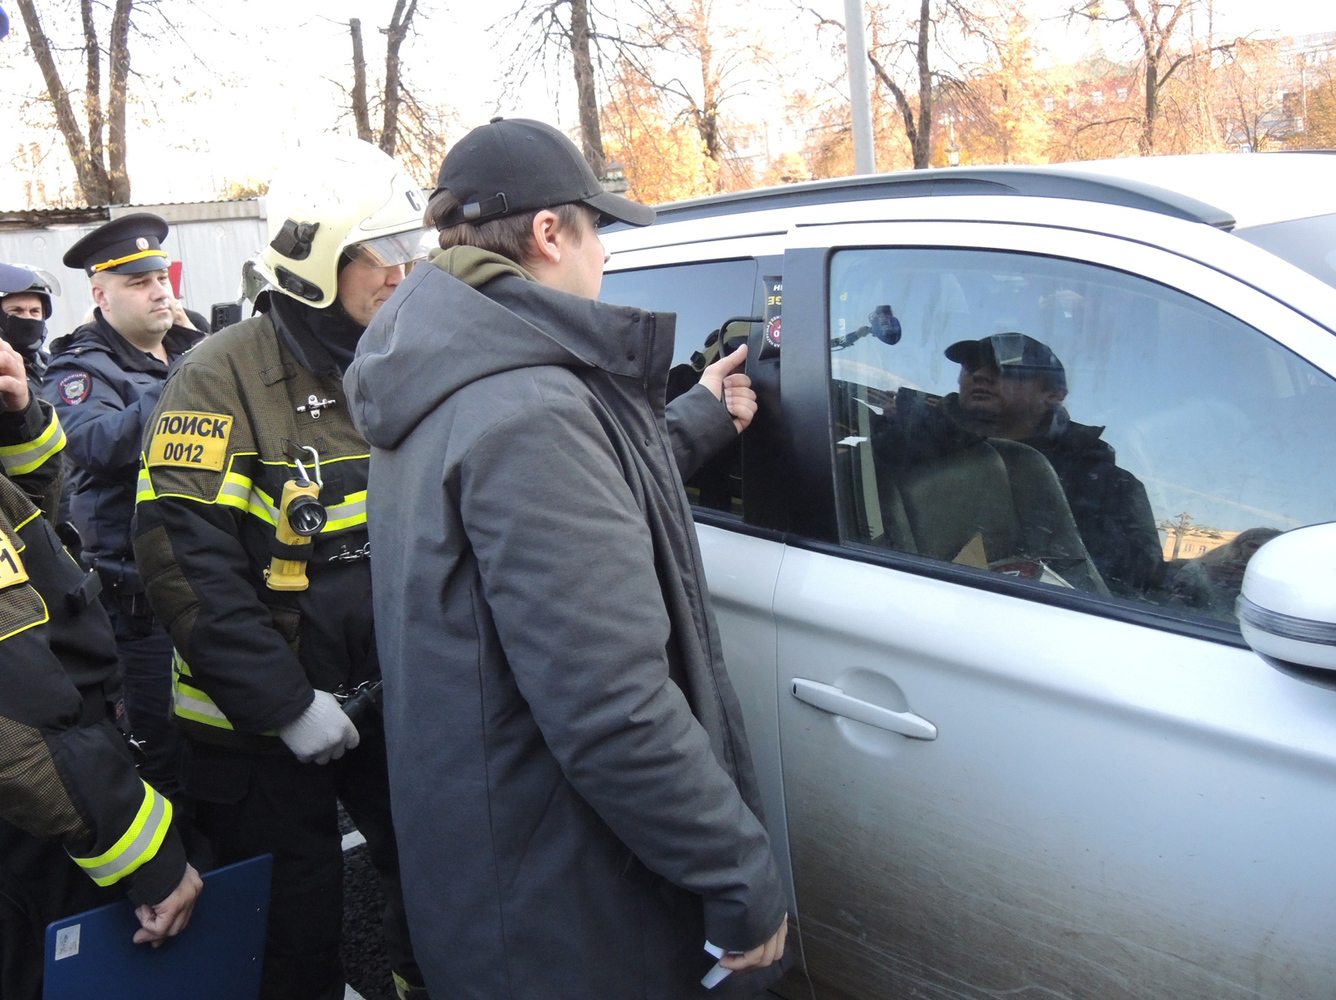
x: 1031, y: 182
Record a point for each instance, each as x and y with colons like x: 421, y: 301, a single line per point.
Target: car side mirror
x: 1287, y: 607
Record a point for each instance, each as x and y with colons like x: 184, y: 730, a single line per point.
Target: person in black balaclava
x: 23, y: 317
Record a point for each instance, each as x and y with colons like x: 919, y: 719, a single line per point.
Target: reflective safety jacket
x: 236, y: 415
x: 65, y: 773
x: 32, y: 456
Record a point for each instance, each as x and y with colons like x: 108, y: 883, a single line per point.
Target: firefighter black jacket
x: 236, y: 416
x: 65, y: 772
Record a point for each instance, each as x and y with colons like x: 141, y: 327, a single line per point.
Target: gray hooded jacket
x: 573, y: 793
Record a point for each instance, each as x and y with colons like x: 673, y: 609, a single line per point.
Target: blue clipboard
x: 217, y: 957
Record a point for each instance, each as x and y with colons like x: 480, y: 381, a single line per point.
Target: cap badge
x: 141, y: 243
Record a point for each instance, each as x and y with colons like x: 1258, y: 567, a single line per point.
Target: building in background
x: 211, y: 239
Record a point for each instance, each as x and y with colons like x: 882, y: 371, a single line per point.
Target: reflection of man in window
x: 1013, y: 387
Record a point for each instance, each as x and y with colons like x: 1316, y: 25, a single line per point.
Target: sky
x: 253, y: 77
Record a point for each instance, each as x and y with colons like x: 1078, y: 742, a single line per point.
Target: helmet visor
x: 389, y: 251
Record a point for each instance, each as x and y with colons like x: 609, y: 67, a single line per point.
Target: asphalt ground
x: 365, y: 967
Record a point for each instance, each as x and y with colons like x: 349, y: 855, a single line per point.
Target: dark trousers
x: 145, y: 652
x: 249, y: 804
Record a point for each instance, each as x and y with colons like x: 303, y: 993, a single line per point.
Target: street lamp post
x: 860, y: 100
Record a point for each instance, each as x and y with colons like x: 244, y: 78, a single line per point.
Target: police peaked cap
x: 131, y: 244
x: 514, y: 165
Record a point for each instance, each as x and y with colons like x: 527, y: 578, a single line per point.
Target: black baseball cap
x: 1012, y: 352
x: 513, y: 165
x: 128, y: 245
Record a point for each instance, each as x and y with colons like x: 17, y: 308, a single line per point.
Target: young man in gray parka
x: 574, y: 797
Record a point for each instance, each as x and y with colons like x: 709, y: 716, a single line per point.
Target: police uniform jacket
x: 236, y: 415
x: 572, y: 788
x: 65, y: 773
x: 103, y: 389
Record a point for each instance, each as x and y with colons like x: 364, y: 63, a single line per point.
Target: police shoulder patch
x: 73, y: 388
x: 190, y: 440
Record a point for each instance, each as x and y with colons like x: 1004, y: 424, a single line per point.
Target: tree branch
x: 361, y: 114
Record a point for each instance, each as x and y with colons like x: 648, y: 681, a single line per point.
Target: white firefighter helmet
x: 338, y: 197
x: 44, y: 285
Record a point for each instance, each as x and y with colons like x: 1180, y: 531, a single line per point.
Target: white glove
x: 322, y: 733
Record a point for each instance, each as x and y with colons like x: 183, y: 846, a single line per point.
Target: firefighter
x: 104, y: 379
x: 79, y: 827
x: 251, y: 535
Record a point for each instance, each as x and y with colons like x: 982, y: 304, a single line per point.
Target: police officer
x: 104, y: 380
x: 273, y: 626
x: 79, y: 827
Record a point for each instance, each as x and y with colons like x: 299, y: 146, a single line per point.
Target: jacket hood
x: 466, y: 314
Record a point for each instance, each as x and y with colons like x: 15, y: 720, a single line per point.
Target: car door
x: 1003, y: 775
x: 741, y: 558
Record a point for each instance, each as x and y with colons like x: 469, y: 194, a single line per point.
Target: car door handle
x: 833, y: 700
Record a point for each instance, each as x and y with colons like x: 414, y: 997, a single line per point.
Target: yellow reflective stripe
x: 344, y: 515
x: 190, y: 702
x: 137, y: 845
x: 144, y: 487
x: 19, y: 527
x: 20, y: 459
x: 240, y: 492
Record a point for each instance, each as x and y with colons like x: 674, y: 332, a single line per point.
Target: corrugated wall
x: 211, y: 251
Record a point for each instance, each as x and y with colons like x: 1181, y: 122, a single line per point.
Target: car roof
x: 1255, y: 188
x: 1219, y: 190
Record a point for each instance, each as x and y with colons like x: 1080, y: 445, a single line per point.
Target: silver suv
x: 977, y: 565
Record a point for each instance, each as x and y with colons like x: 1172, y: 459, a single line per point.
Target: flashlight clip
x: 300, y: 515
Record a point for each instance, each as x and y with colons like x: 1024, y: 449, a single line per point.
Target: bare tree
x: 97, y: 145
x: 918, y: 131
x: 1155, y: 23
x: 392, y: 97
x: 361, y: 113
x: 913, y: 60
x: 1251, y: 101
x: 548, y: 31
x: 723, y: 58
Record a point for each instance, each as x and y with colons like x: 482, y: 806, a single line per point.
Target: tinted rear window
x: 1306, y: 243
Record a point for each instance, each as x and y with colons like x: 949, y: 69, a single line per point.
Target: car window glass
x: 705, y: 296
x: 1068, y: 424
x: 1306, y: 243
